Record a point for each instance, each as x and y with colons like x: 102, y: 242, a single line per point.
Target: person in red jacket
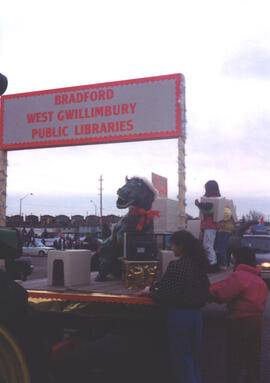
x: 245, y: 294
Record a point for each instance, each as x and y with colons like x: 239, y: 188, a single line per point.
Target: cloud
x: 238, y: 162
x: 228, y: 119
x: 254, y: 62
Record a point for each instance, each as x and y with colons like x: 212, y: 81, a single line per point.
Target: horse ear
x: 127, y: 179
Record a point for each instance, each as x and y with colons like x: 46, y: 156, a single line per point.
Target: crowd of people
x: 60, y: 242
x: 64, y: 241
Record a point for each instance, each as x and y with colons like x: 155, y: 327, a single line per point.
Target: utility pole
x: 100, y: 203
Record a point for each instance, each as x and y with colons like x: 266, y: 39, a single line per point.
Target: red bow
x: 147, y: 215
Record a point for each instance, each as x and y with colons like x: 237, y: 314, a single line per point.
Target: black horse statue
x: 137, y: 195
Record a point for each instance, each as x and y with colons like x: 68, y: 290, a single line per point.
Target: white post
x: 181, y: 183
x: 181, y: 160
x: 3, y: 186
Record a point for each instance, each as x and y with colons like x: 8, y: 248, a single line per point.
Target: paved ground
x: 134, y: 355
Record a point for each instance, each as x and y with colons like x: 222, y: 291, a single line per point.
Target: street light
x: 21, y: 202
x: 95, y: 206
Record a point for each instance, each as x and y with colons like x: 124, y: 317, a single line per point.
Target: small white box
x: 76, y: 266
x: 219, y: 205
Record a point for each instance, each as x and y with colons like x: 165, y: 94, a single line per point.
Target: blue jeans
x: 185, y: 335
x: 222, y: 240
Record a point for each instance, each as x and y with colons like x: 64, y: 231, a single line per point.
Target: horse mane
x: 148, y: 184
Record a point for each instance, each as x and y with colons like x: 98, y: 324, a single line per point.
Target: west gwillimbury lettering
x: 93, y: 113
x: 81, y: 113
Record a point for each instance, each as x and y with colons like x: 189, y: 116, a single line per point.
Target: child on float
x: 184, y: 290
x: 222, y: 239
x: 208, y: 226
x: 245, y: 294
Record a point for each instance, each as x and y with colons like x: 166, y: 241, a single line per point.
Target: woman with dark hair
x: 184, y: 289
x: 212, y: 189
x: 208, y: 226
x: 245, y: 293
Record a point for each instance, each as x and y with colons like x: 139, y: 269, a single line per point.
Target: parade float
x: 73, y: 297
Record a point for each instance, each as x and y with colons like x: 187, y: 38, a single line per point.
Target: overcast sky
x: 221, y: 47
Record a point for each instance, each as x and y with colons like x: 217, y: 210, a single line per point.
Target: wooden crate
x: 138, y: 274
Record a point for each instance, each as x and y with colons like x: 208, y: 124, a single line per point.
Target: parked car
x: 22, y: 268
x: 37, y: 249
x: 236, y: 237
x: 261, y: 244
x: 259, y: 241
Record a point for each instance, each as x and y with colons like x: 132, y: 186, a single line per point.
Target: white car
x: 37, y: 250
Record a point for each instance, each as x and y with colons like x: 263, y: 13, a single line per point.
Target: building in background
x: 61, y: 223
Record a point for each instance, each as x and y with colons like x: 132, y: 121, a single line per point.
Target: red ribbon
x: 145, y: 215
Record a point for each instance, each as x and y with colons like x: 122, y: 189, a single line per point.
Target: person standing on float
x: 184, y: 290
x: 208, y: 226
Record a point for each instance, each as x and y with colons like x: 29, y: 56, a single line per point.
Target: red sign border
x: 96, y: 140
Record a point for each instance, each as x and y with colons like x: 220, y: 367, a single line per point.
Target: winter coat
x: 243, y: 290
x: 207, y: 210
x: 227, y: 225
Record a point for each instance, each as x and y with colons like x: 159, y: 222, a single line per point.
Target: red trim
x: 1, y: 120
x: 175, y: 76
x: 91, y: 297
x: 96, y: 140
x: 177, y: 106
